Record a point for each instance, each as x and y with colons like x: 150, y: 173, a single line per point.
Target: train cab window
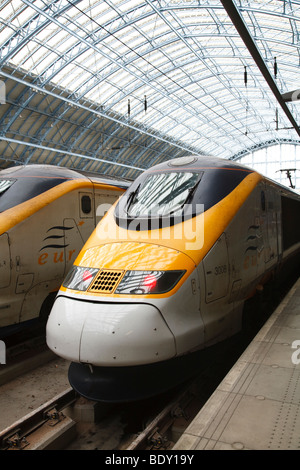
x: 162, y: 194
x: 5, y: 184
x: 86, y: 204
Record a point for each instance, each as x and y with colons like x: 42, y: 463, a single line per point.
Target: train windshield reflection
x: 161, y: 194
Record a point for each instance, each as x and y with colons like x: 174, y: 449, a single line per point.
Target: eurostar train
x: 46, y: 215
x: 165, y: 275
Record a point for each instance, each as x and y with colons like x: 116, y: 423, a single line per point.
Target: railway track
x: 51, y: 427
x: 59, y: 423
x: 151, y: 425
x: 70, y: 422
x: 37, y: 430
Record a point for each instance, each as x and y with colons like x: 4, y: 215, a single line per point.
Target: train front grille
x: 106, y: 281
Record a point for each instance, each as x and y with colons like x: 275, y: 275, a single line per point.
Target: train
x: 166, y: 273
x: 46, y: 215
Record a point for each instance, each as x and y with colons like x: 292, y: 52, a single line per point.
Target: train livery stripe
x: 218, y: 217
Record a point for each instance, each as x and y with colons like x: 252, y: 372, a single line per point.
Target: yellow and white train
x: 46, y: 215
x: 166, y: 273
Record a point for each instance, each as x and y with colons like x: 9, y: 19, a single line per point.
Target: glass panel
x: 187, y: 53
x: 5, y: 184
x: 273, y: 162
x: 161, y: 194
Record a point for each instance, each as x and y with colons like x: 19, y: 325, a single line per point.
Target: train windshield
x: 161, y: 194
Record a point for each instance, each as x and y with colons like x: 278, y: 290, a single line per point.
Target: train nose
x: 108, y: 334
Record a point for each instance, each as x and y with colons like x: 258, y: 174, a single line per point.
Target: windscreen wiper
x: 131, y: 197
x: 192, y: 191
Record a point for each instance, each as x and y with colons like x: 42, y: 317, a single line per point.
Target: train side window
x: 86, y: 204
x: 263, y: 200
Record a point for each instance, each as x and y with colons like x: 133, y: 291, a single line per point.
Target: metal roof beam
x: 98, y: 113
x: 243, y: 31
x: 51, y: 149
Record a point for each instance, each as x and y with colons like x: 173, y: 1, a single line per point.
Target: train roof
x: 200, y: 163
x: 38, y: 170
x: 195, y: 163
x: 21, y: 183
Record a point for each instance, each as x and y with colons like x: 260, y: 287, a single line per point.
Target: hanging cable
x: 275, y: 75
x: 245, y: 76
x: 128, y: 108
x: 275, y: 68
x: 247, y: 101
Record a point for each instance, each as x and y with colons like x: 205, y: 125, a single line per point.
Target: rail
x: 17, y: 436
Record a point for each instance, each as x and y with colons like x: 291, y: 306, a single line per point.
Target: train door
x: 87, y: 214
x: 214, y: 309
x: 4, y: 261
x: 216, y: 271
x: 103, y: 202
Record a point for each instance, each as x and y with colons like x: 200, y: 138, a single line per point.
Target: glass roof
x: 175, y: 68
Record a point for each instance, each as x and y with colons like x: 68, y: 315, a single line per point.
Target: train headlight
x: 148, y: 282
x: 79, y: 278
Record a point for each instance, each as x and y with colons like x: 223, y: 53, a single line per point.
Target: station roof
x: 116, y: 86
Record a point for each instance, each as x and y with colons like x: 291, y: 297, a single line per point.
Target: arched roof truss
x: 116, y: 86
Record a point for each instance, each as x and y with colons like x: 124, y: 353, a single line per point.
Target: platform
x: 257, y: 405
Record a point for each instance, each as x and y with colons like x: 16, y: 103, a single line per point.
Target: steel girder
x: 75, y: 64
